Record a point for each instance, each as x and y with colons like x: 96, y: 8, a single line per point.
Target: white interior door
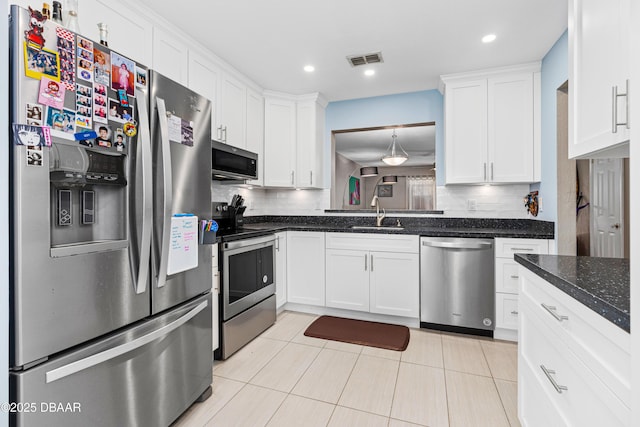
x: 606, y: 208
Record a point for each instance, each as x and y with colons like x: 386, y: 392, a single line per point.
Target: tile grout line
x: 493, y: 380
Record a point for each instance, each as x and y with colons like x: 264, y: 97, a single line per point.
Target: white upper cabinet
x: 203, y: 79
x: 232, y: 112
x: 124, y: 29
x: 309, y: 141
x: 294, y: 140
x: 510, y: 128
x: 466, y: 131
x: 599, y: 67
x: 255, y: 131
x: 492, y: 126
x: 170, y: 55
x: 279, y: 142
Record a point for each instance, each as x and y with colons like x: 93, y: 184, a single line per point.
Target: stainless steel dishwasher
x: 457, y: 291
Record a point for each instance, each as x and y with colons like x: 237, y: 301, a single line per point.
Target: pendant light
x: 395, y: 153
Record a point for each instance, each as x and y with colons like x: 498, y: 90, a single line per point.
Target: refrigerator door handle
x: 112, y: 353
x: 168, y: 190
x: 144, y: 149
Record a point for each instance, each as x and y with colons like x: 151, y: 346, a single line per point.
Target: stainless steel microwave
x: 228, y: 162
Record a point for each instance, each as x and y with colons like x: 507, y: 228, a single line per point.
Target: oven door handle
x: 248, y: 242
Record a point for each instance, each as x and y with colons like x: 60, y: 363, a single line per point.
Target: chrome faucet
x: 379, y: 218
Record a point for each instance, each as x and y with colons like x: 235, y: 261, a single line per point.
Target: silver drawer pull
x: 514, y: 312
x: 552, y: 310
x: 515, y: 277
x: 522, y: 249
x: 548, y: 373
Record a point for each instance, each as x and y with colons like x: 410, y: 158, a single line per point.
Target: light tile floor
x: 283, y: 378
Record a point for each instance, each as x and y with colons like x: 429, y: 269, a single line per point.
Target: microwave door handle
x: 168, y: 190
x: 143, y: 160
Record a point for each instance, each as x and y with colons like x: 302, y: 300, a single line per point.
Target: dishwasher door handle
x: 457, y: 245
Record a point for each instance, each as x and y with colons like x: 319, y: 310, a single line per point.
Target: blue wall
x: 404, y: 108
x: 555, y: 71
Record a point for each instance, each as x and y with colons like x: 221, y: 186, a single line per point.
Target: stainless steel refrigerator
x: 106, y: 329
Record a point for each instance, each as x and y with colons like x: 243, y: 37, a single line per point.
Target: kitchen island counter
x: 601, y: 284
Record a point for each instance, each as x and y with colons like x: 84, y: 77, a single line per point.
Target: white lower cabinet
x: 281, y: 268
x: 347, y: 276
x: 573, y: 365
x: 507, y: 282
x: 395, y: 284
x: 375, y: 273
x: 305, y: 267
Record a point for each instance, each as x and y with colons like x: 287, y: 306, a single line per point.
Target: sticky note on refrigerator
x: 183, y: 244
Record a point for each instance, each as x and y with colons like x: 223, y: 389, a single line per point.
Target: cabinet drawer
x: 374, y: 242
x: 506, y: 311
x: 535, y: 405
x: 581, y: 397
x: 507, y: 277
x: 602, y: 346
x: 505, y: 248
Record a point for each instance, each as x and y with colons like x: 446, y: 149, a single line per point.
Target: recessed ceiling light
x: 488, y: 38
x: 309, y: 68
x: 369, y: 72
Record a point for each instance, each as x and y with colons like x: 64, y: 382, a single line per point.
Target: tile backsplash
x: 478, y: 201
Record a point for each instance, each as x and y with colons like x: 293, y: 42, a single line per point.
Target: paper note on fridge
x: 175, y: 128
x: 183, y: 245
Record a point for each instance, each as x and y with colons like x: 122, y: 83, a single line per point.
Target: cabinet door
x: 255, y: 131
x: 394, y: 284
x: 466, y: 132
x: 507, y: 311
x: 231, y: 112
x: 510, y: 128
x: 599, y: 60
x: 123, y: 28
x: 203, y: 79
x: 347, y: 279
x: 305, y: 267
x: 309, y: 144
x: 281, y: 269
x: 170, y: 56
x: 279, y: 142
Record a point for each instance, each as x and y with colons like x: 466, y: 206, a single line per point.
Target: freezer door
x: 80, y: 243
x: 181, y: 150
x: 144, y: 376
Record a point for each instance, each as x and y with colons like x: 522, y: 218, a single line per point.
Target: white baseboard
x: 350, y: 314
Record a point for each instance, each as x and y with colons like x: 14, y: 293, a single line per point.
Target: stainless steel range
x: 247, y: 296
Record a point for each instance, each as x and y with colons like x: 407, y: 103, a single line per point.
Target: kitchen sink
x: 373, y: 227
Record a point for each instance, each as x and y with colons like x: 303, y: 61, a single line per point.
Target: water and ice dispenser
x: 88, y: 195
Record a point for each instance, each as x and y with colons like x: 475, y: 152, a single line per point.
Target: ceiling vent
x: 369, y: 58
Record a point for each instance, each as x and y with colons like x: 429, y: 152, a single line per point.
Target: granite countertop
x: 435, y: 227
x: 601, y: 284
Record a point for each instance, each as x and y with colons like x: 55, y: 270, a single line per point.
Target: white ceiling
x: 271, y: 41
x: 367, y: 147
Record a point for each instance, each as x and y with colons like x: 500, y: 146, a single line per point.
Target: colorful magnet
x: 122, y: 74
x: 130, y: 128
x: 34, y: 35
x: 31, y: 135
x: 66, y: 51
x: 51, y: 93
x: 41, y: 62
x: 84, y: 135
x: 122, y: 96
